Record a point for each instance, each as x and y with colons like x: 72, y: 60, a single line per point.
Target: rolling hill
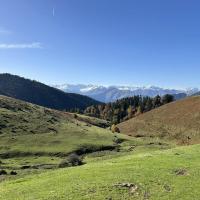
x: 41, y: 94
x: 179, y: 121
x: 28, y: 129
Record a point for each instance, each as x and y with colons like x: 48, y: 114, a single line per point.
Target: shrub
x: 13, y: 173
x: 3, y: 172
x: 117, y: 140
x: 72, y: 160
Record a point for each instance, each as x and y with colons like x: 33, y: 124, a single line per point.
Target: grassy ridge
x: 157, y: 175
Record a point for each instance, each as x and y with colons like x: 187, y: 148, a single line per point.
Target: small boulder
x: 131, y: 186
x: 181, y: 172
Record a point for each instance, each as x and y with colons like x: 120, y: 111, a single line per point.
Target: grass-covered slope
x: 171, y: 174
x: 34, y: 139
x: 41, y: 94
x: 30, y: 129
x: 179, y: 121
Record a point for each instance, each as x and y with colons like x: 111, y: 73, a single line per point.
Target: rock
x: 128, y: 185
x: 133, y: 189
x: 181, y: 172
x: 131, y: 186
x: 167, y: 188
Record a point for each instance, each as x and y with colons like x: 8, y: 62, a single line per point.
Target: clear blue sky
x: 139, y: 42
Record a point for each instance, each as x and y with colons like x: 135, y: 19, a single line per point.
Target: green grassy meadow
x: 158, y: 175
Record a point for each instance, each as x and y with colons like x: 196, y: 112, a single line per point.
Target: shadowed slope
x: 41, y: 94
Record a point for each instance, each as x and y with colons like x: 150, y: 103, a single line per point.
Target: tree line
x: 127, y: 108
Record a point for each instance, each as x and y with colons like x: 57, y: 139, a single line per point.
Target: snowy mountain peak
x: 112, y: 93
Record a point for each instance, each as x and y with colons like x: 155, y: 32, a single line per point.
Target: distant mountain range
x: 196, y: 94
x: 112, y: 93
x: 41, y: 94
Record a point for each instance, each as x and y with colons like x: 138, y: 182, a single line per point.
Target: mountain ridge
x: 38, y: 93
x: 112, y: 93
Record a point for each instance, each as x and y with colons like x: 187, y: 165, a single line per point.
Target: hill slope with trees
x: 127, y: 108
x: 41, y: 94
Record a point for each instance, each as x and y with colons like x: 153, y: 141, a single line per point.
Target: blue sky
x: 137, y: 42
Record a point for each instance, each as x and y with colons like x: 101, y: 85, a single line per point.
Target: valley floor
x: 158, y: 175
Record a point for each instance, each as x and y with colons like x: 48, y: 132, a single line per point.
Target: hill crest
x: 178, y: 121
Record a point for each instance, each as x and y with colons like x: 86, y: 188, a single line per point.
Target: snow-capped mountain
x: 112, y: 93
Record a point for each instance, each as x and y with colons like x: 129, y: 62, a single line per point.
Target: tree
x: 115, y: 129
x: 130, y: 111
x: 148, y: 104
x: 157, y: 101
x: 167, y: 98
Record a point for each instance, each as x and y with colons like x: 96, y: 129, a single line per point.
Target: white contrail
x: 53, y: 12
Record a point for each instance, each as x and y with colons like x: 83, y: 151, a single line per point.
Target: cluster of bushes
x: 71, y: 160
x: 127, y: 108
x: 4, y: 172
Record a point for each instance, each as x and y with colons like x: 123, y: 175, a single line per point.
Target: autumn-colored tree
x: 115, y: 129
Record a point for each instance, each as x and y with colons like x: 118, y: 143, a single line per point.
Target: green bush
x: 72, y: 160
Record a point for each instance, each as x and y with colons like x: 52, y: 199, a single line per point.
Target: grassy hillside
x: 179, y: 121
x: 31, y: 129
x: 41, y: 94
x: 171, y: 174
x: 34, y: 139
